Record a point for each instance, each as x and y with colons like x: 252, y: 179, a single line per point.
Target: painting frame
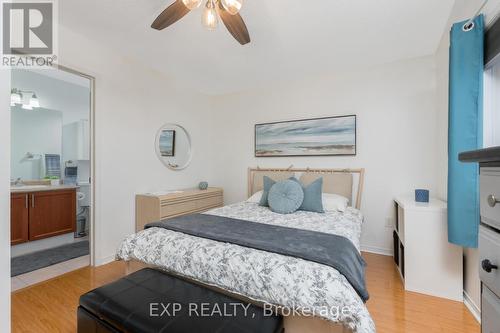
x: 355, y: 149
x: 164, y: 153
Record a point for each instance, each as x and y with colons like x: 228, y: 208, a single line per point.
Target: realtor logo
x: 28, y: 34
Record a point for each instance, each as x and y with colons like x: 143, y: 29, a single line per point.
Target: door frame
x: 92, y: 216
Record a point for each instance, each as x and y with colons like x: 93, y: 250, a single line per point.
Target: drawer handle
x: 488, y: 266
x: 492, y: 200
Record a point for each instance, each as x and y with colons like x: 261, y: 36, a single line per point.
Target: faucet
x: 17, y: 182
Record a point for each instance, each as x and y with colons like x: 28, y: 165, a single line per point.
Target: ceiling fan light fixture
x: 192, y: 4
x: 213, y: 11
x: 233, y: 7
x: 209, y: 17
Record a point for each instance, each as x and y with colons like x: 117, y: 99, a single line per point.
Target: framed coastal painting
x: 167, y: 143
x: 329, y: 136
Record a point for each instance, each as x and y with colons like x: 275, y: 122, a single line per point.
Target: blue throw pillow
x: 313, y: 196
x: 268, y: 182
x: 285, y: 197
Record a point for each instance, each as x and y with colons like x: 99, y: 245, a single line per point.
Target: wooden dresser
x: 154, y: 208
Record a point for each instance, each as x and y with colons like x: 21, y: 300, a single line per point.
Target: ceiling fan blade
x: 235, y: 25
x: 170, y: 15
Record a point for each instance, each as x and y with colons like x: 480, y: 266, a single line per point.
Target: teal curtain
x: 465, y: 131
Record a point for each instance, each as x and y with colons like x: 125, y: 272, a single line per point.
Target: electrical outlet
x: 389, y: 222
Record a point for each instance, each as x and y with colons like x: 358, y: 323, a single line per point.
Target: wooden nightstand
x: 154, y: 208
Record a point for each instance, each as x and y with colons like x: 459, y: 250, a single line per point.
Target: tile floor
x: 42, y: 274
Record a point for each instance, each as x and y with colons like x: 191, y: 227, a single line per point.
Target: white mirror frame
x: 169, y: 165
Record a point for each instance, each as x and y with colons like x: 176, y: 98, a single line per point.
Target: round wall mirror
x: 173, y: 146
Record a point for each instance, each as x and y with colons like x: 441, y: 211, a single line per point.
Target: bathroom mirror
x: 173, y: 146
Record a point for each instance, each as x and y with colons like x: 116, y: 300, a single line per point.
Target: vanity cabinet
x: 38, y: 215
x: 19, y: 212
x: 52, y: 213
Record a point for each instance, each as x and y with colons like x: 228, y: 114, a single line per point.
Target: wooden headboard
x: 346, y: 182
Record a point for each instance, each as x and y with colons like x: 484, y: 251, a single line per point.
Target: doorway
x: 52, y: 159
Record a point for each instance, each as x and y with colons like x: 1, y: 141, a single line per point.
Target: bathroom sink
x: 28, y: 187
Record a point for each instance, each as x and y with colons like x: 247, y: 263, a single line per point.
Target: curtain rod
x: 469, y: 25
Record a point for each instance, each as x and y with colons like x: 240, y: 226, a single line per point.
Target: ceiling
x: 290, y: 38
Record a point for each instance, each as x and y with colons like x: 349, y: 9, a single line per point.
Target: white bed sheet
x: 259, y: 275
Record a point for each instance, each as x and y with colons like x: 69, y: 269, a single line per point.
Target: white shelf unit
x: 426, y: 261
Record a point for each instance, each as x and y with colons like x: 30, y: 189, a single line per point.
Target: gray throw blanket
x: 326, y: 249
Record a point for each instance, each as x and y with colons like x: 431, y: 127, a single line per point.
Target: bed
x: 324, y: 298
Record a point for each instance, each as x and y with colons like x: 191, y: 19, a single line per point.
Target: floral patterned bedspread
x: 266, y: 277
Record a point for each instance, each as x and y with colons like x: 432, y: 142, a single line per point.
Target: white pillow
x: 255, y: 198
x: 334, y: 202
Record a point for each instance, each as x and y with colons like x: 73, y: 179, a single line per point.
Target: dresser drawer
x: 209, y: 202
x: 173, y: 209
x: 489, y: 249
x: 489, y: 188
x: 490, y: 312
x: 156, y: 207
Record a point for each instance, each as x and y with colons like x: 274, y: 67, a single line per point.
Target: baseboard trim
x: 472, y: 307
x: 104, y: 261
x: 377, y: 250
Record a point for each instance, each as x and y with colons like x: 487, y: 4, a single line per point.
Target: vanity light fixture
x: 28, y: 99
x: 34, y: 102
x: 15, y: 97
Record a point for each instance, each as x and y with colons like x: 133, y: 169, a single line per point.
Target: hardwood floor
x: 396, y: 310
x: 51, y: 305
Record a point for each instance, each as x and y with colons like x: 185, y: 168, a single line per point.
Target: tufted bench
x: 151, y: 301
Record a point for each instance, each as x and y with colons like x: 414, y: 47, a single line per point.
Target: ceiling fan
x: 227, y: 10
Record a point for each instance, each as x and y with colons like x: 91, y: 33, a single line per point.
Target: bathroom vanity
x: 42, y: 211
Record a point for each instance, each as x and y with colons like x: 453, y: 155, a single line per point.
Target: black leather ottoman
x: 152, y: 301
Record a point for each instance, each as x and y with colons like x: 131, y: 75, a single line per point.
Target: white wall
x: 4, y: 200
x: 462, y: 10
x: 37, y: 132
x: 132, y: 102
x: 491, y: 128
x: 395, y: 108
